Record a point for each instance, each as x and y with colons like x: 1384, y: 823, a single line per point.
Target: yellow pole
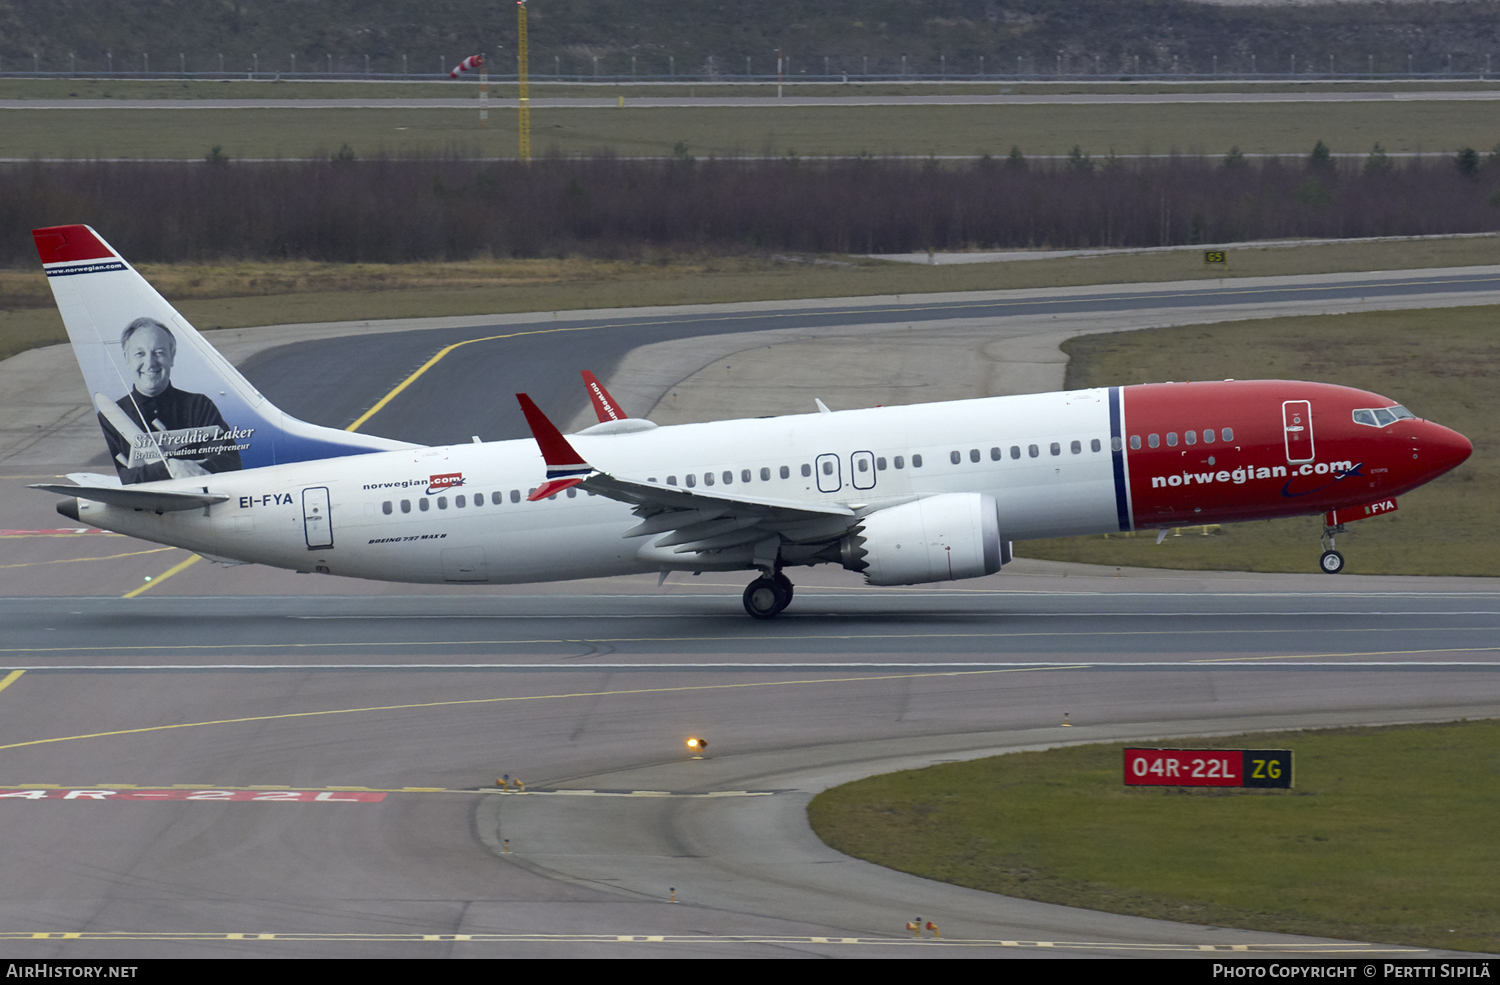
x: 523, y: 57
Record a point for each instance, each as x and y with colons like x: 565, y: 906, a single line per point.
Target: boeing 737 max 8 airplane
x: 906, y: 495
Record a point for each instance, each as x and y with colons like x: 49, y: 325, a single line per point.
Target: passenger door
x: 862, y: 469
x: 317, y: 523
x: 1296, y: 424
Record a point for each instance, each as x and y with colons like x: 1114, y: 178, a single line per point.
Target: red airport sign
x: 1208, y: 768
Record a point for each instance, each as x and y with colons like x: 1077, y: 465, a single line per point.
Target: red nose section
x: 1444, y: 449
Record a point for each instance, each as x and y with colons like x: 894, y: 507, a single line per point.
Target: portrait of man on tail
x: 157, y: 431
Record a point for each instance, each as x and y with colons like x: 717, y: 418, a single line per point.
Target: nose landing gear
x: 1331, y: 562
x: 766, y: 597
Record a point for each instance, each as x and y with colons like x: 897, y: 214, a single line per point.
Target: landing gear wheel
x: 1331, y: 563
x: 764, y: 598
x: 786, y: 586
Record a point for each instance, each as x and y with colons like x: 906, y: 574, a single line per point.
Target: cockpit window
x: 1379, y: 417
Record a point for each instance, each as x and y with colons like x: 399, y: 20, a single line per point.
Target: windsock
x: 473, y: 61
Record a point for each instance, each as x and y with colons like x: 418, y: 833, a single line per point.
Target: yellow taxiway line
x: 153, y: 582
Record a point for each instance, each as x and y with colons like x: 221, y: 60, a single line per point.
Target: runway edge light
x: 697, y: 746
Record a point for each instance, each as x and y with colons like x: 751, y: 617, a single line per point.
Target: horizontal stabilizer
x: 155, y: 500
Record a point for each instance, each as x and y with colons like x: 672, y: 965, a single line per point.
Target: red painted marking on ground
x: 268, y: 796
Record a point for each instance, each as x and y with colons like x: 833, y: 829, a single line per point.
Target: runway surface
x: 141, y: 731
x: 243, y: 762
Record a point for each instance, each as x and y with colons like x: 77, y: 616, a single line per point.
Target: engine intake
x: 941, y: 538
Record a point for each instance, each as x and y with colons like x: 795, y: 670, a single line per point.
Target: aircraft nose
x: 1444, y: 448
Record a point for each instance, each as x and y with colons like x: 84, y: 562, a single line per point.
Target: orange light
x: 696, y: 744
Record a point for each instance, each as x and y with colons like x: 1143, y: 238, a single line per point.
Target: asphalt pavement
x: 244, y: 762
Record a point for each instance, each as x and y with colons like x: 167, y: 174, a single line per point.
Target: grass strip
x: 124, y: 87
x: 1438, y: 362
x: 1388, y: 835
x: 1279, y: 128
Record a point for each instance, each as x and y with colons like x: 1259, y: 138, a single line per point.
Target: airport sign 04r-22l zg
x: 1208, y: 767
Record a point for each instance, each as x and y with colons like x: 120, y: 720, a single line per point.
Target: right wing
x: 604, y: 405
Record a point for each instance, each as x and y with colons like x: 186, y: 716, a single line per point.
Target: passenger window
x: 828, y: 468
x: 1208, y: 435
x: 459, y: 501
x: 1076, y: 447
x: 1154, y: 440
x: 786, y: 473
x: 994, y: 454
x: 1135, y: 442
x: 900, y: 462
x: 495, y: 498
x: 744, y: 475
x: 1056, y: 448
x: 1095, y: 446
x: 442, y: 502
x: 1015, y: 451
x: 572, y: 493
x: 1032, y: 450
x: 880, y: 465
x: 916, y: 461
x: 806, y: 470
x: 765, y: 475
x: 1171, y: 439
x: 406, y: 506
x: 690, y: 479
x: 955, y: 457
x: 864, y: 465
x: 386, y: 508
x: 728, y: 478
x: 708, y: 478
x: 1228, y: 433
x: 973, y: 454
x: 671, y: 480
x: 424, y: 505
x: 531, y: 492
x: 1191, y: 437
x: 515, y: 495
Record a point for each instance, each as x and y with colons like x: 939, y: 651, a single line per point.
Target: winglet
x: 604, y: 404
x: 565, y: 467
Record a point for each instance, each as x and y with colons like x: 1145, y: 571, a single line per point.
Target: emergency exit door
x: 317, y: 525
x: 1296, y: 424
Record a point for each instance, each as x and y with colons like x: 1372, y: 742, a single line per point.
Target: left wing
x: 693, y: 522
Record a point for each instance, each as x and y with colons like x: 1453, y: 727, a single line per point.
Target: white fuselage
x: 459, y: 513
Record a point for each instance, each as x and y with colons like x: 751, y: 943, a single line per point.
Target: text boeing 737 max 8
x: 923, y: 493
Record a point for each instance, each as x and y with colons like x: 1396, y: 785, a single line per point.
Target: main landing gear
x: 766, y: 597
x: 1332, y: 562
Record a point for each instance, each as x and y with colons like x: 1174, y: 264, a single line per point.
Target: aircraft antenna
x: 523, y: 58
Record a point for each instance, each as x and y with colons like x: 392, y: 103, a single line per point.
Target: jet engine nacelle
x: 941, y: 538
